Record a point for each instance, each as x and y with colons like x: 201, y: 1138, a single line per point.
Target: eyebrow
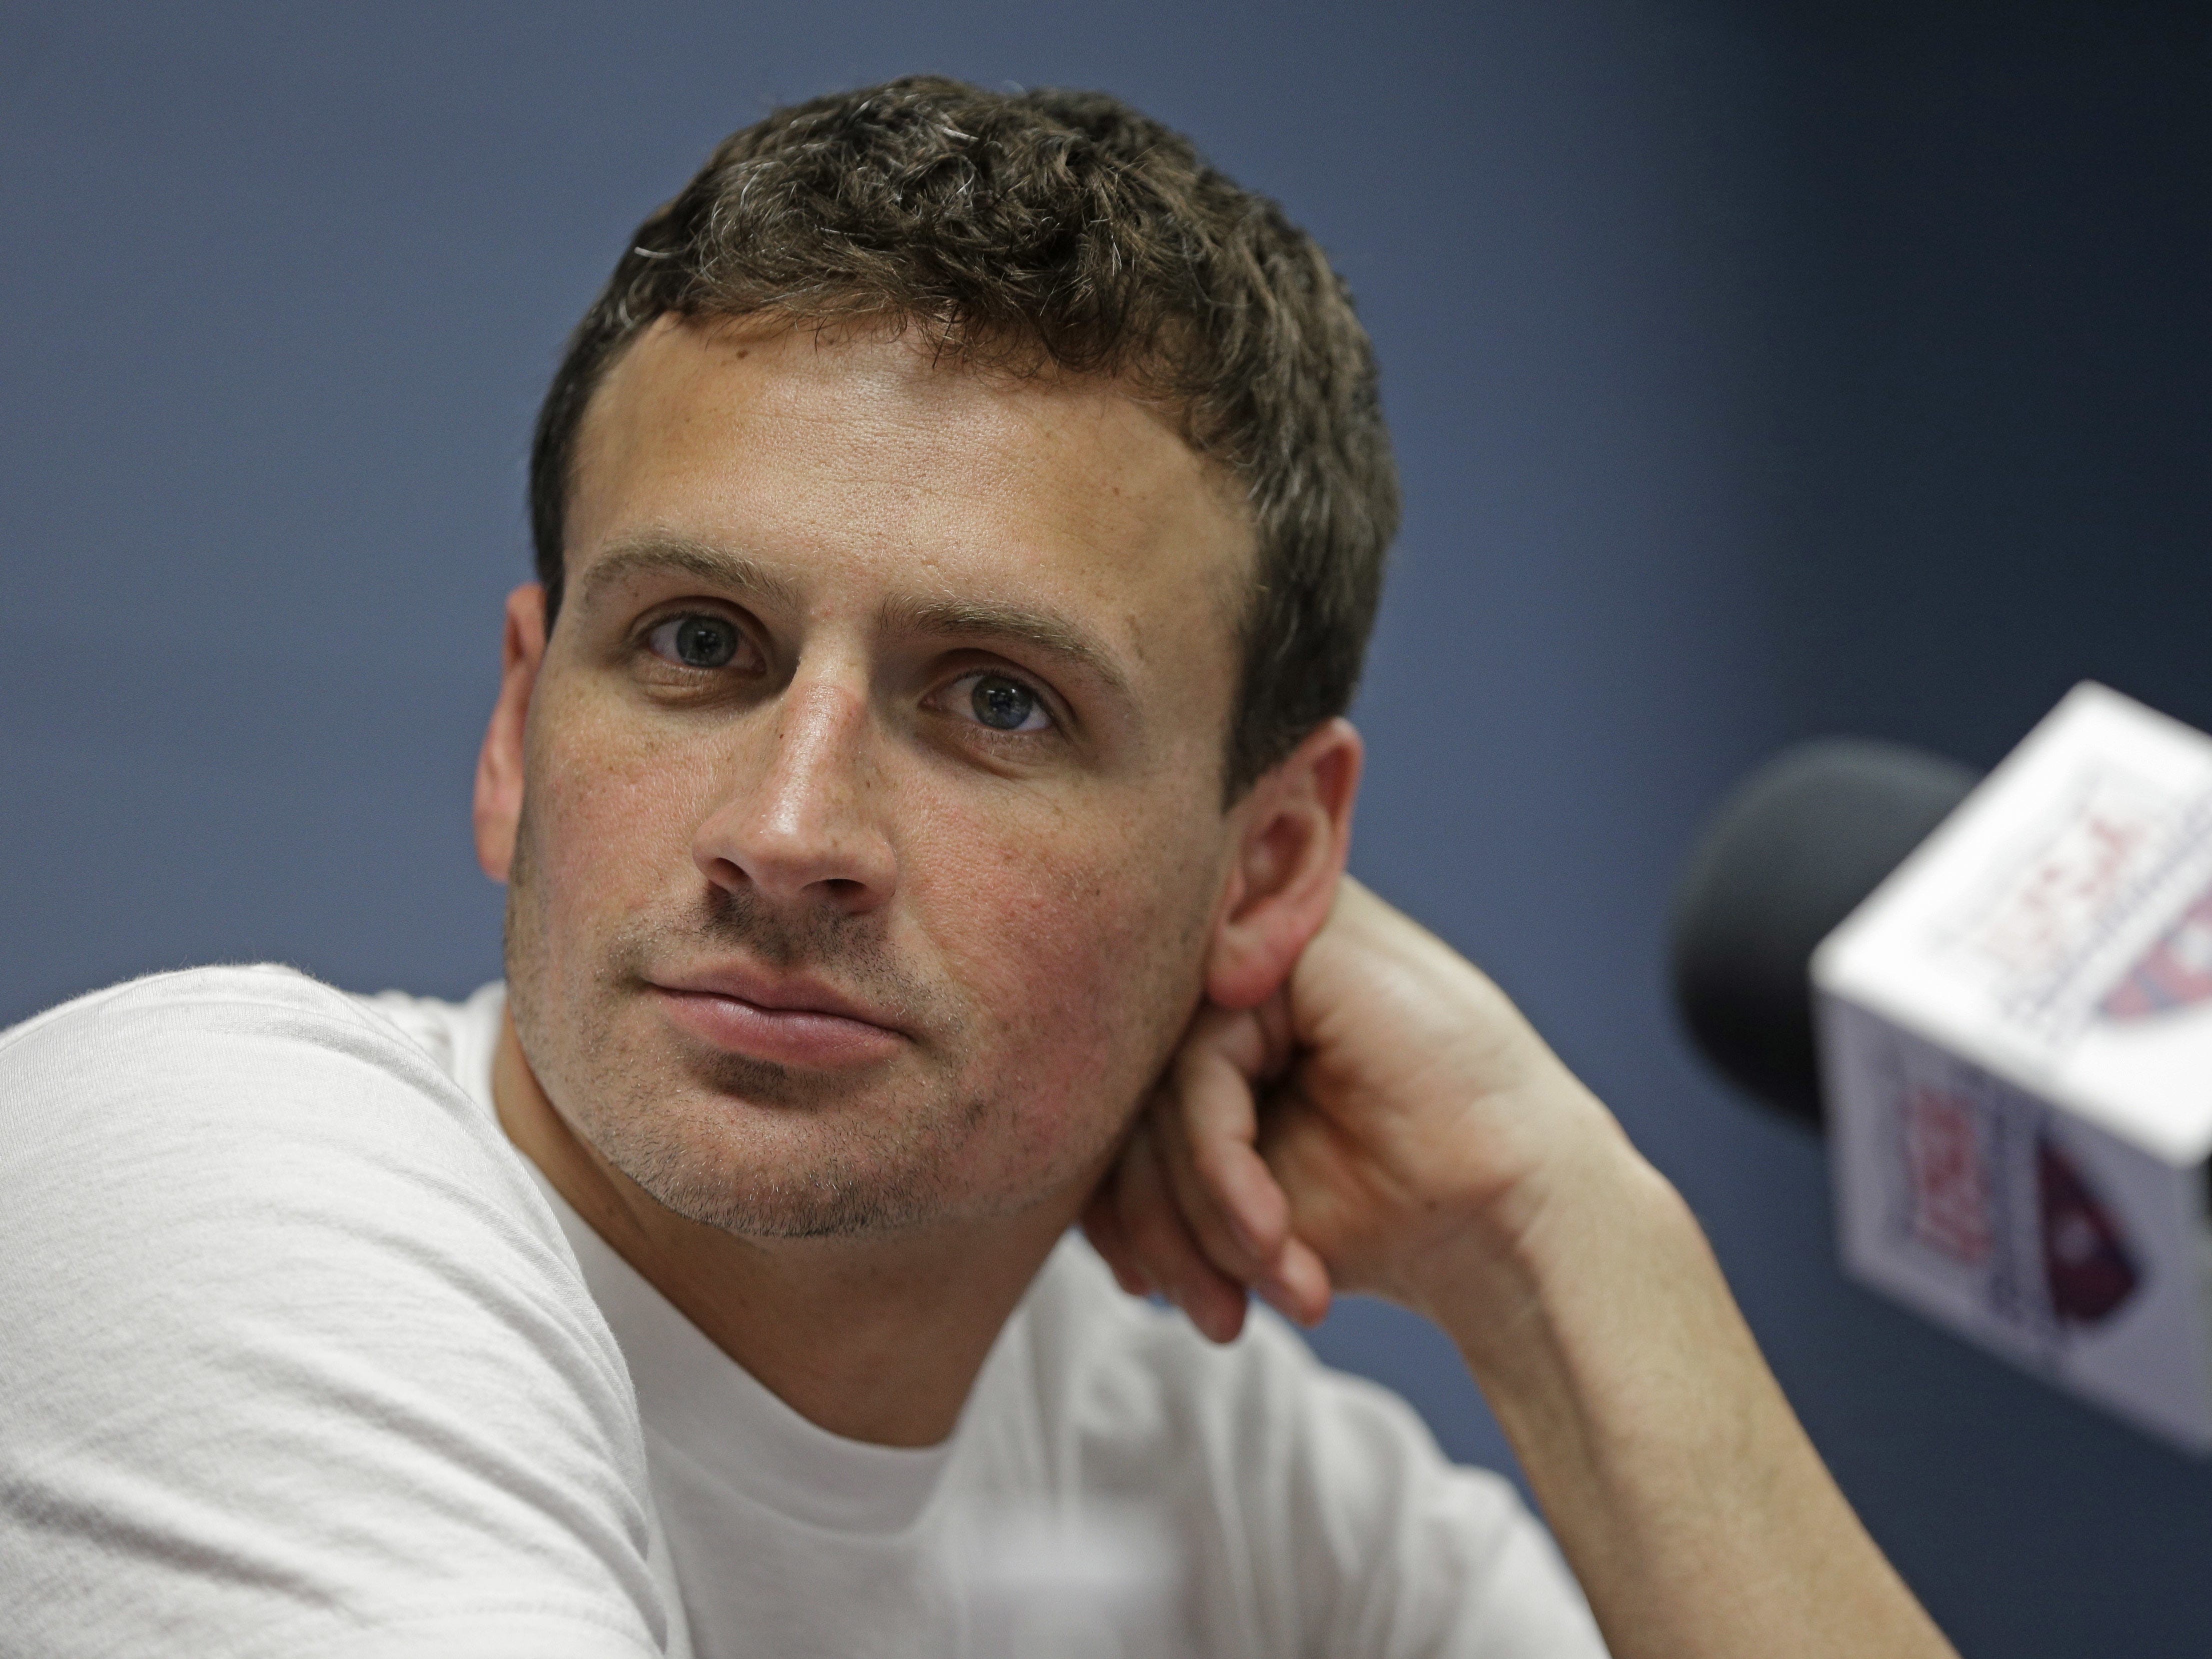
x: 981, y: 620
x: 717, y: 567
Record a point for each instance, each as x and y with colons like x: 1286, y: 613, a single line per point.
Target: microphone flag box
x: 2015, y: 1034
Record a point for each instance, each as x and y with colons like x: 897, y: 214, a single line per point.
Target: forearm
x: 1695, y: 1511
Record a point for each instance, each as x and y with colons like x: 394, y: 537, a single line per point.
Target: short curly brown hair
x: 1068, y: 229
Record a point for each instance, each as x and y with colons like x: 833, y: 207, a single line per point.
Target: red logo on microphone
x: 2175, y: 973
x: 1995, y: 1192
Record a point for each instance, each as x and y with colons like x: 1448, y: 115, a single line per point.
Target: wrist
x: 1553, y: 1182
x: 1602, y: 1334
x: 1571, y: 1269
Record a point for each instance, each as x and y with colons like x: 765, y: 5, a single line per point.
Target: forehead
x: 869, y: 459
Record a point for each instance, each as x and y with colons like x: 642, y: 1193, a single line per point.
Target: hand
x: 1388, y: 1122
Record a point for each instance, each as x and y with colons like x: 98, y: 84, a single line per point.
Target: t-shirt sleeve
x: 292, y: 1357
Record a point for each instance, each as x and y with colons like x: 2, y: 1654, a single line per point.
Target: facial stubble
x: 747, y: 1145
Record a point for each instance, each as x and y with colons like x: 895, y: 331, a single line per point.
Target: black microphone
x: 1787, y: 856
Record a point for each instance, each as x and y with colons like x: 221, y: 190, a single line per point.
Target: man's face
x: 871, y: 836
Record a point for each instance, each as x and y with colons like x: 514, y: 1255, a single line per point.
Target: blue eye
x: 1002, y: 704
x: 696, y: 640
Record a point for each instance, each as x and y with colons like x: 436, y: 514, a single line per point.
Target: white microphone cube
x: 2016, y: 1053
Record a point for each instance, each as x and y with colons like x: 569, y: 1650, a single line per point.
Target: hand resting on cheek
x: 1387, y: 1122
x: 1349, y: 1134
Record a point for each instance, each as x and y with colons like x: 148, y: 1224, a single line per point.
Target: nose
x: 800, y: 824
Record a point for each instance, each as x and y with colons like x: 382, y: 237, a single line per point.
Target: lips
x: 785, y: 1021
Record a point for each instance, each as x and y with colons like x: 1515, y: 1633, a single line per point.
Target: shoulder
x: 234, y: 1072
x: 256, y: 1093
x: 181, y: 1125
x: 267, y: 986
x: 282, y: 1300
x: 147, y: 1039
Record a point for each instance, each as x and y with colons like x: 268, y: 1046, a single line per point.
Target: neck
x: 876, y: 1339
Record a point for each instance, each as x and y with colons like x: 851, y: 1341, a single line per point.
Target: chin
x: 819, y: 1204
x: 828, y: 1167
x: 854, y: 1167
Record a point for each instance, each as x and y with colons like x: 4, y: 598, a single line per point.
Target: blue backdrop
x: 1756, y: 371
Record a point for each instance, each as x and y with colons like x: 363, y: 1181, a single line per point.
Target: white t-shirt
x: 297, y: 1356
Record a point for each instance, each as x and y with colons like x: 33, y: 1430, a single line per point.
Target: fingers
x: 1206, y: 1126
x: 1155, y: 1233
x: 1192, y: 1210
x: 1300, y: 1289
x: 1101, y: 1226
x: 1245, y: 1233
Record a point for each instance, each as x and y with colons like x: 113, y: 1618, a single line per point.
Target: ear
x: 1293, y: 832
x: 499, y: 765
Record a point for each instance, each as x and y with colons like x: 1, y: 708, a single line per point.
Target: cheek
x: 609, y: 808
x: 1080, y: 938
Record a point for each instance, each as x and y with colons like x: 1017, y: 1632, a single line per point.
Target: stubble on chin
x: 747, y: 1145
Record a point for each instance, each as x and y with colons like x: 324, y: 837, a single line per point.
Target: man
x: 921, y: 780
